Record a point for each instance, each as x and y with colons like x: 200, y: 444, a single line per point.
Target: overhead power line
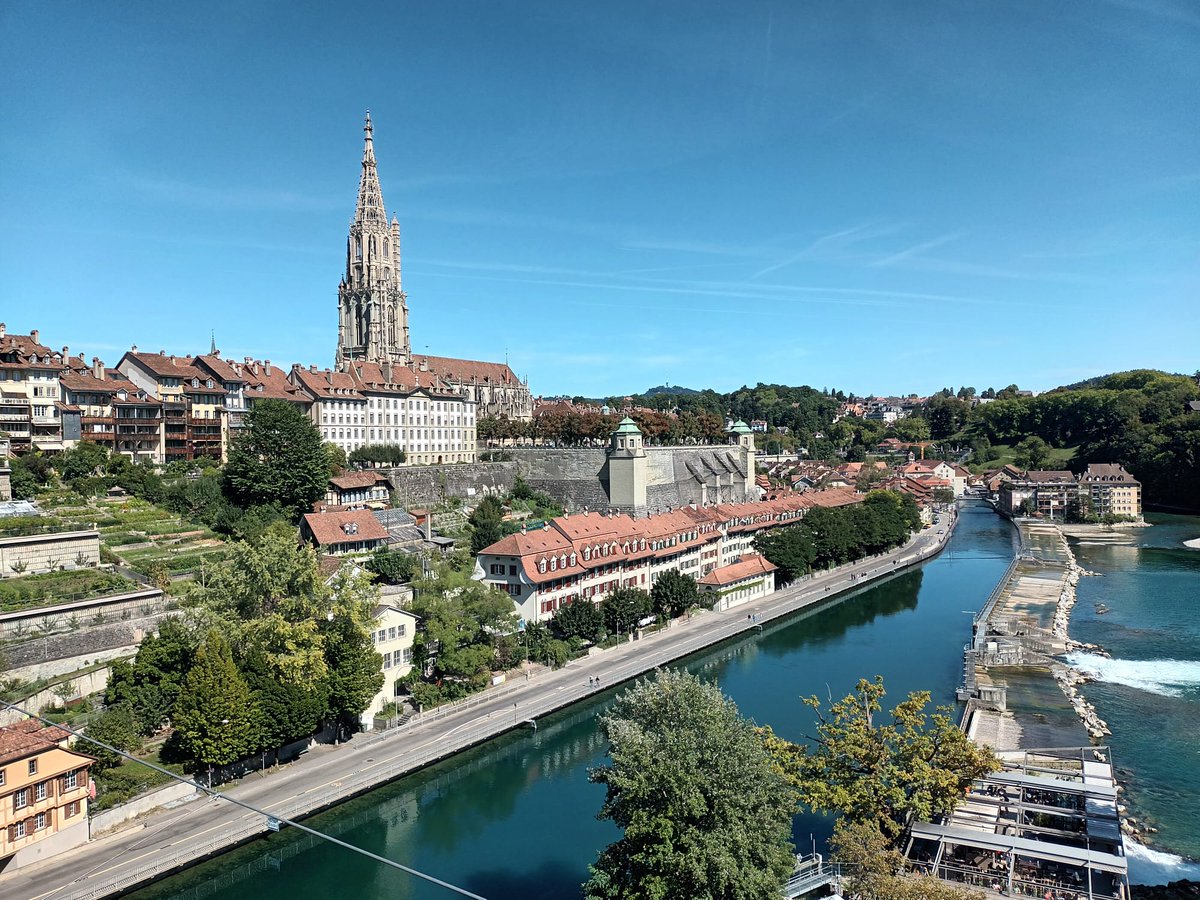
x: 272, y: 820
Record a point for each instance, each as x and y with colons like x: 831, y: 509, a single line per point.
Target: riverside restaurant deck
x: 1045, y: 825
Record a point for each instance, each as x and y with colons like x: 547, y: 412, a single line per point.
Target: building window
x: 21, y: 798
x: 392, y: 633
x: 39, y: 821
x: 496, y: 569
x: 2, y: 777
x: 39, y: 791
x: 407, y: 656
x: 400, y: 630
x: 19, y: 829
x: 72, y: 809
x: 33, y: 767
x: 71, y: 780
x: 387, y: 660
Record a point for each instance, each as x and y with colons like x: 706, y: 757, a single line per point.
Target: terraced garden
x: 146, y: 538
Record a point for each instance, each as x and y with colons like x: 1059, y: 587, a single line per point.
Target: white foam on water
x: 1166, y: 677
x: 1194, y: 544
x: 1150, y: 866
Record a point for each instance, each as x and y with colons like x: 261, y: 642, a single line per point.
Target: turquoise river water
x: 515, y: 818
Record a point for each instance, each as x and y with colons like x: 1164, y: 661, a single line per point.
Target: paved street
x: 170, y: 839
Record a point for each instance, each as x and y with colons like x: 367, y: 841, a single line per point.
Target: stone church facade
x: 373, y: 311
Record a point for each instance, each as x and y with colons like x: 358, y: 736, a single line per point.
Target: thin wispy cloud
x: 830, y: 244
x: 229, y: 198
x: 915, y: 250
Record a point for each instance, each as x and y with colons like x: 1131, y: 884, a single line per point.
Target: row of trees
x: 266, y: 654
x: 828, y: 537
x: 705, y: 800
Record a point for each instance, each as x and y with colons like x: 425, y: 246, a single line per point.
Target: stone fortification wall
x: 579, y: 477
x: 83, y: 685
x: 429, y: 485
x: 575, y: 477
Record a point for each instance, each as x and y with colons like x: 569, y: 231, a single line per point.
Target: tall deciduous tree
x: 917, y: 764
x: 215, y: 717
x: 623, y: 608
x: 703, y: 812
x: 674, y: 593
x: 277, y: 458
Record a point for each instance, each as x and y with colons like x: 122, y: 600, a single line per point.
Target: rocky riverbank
x: 1068, y: 679
x: 1176, y: 890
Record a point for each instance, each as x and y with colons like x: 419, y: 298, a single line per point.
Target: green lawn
x: 1001, y: 454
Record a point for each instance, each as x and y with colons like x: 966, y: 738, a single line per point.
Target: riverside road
x: 168, y: 840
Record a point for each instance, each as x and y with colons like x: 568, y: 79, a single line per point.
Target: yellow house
x: 393, y: 637
x: 44, y: 790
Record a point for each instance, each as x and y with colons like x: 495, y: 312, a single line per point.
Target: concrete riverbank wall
x: 320, y: 781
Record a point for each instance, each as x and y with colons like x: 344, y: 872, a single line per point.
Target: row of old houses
x: 161, y: 407
x: 588, y: 555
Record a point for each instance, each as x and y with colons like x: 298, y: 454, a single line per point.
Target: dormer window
x: 553, y: 563
x: 587, y: 554
x: 572, y: 560
x: 542, y: 566
x: 208, y: 384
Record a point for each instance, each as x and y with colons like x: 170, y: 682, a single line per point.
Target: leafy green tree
x: 875, y: 870
x: 382, y: 454
x: 216, y: 718
x: 702, y: 810
x: 355, y: 668
x: 336, y: 456
x: 117, y: 726
x: 624, y: 608
x: 277, y: 458
x: 916, y: 765
x: 289, y: 711
x: 674, y: 593
x: 789, y: 548
x: 151, y: 684
x: 911, y: 429
x: 581, y: 619
x: 487, y: 524
x: 392, y: 566
x: 1031, y: 453
x: 81, y: 461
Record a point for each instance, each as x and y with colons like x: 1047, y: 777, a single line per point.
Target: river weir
x: 1054, y: 650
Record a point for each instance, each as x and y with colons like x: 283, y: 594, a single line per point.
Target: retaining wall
x: 173, y: 793
x: 33, y: 553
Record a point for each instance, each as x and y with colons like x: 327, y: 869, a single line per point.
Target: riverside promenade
x: 169, y: 840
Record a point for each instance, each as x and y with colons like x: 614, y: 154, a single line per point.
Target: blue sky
x: 874, y: 196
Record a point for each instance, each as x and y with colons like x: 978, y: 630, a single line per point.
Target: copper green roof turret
x: 627, y: 426
x: 739, y: 427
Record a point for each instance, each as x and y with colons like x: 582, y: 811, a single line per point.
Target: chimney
x: 33, y: 336
x: 66, y: 353
x: 249, y: 359
x: 97, y: 368
x: 312, y: 368
x: 428, y: 526
x: 266, y: 364
x: 133, y: 349
x: 3, y: 329
x: 329, y: 376
x: 424, y: 362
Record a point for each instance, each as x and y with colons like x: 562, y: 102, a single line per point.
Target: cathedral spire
x: 370, y: 195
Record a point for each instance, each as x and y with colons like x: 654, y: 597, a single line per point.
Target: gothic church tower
x: 372, y: 308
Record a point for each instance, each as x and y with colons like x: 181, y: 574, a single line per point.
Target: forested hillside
x: 1139, y: 419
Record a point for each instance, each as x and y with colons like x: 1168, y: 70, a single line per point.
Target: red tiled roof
x: 327, y: 383
x: 353, y: 480
x: 329, y: 528
x: 616, y: 538
x: 746, y: 567
x: 468, y: 370
x: 27, y: 737
x: 220, y: 368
